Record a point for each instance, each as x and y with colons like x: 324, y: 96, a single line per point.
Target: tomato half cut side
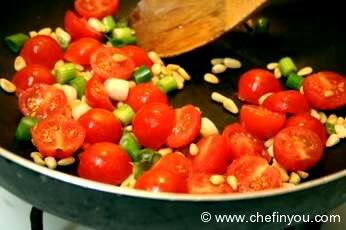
x: 138, y: 54
x: 187, y: 127
x: 297, y: 148
x: 79, y: 51
x: 199, y: 183
x: 96, y: 8
x: 106, y: 66
x: 96, y: 94
x: 42, y: 100
x: 58, y: 136
x: 325, y: 90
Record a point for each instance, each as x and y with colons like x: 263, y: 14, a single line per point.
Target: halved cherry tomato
x: 253, y: 173
x: 199, y: 183
x: 101, y: 126
x: 42, y: 50
x: 187, y: 127
x: 212, y: 155
x: 104, y: 64
x: 325, y: 90
x: 143, y: 94
x: 240, y: 142
x: 290, y: 101
x: 174, y: 162
x: 96, y: 95
x: 153, y: 123
x: 139, y: 55
x: 105, y: 162
x: 30, y: 75
x: 42, y: 100
x: 309, y: 122
x: 161, y: 181
x: 80, y: 51
x: 261, y: 122
x: 297, y: 148
x: 58, y: 136
x: 96, y: 8
x: 79, y: 28
x: 255, y: 83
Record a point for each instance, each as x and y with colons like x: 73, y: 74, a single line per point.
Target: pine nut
x: 263, y: 98
x: 277, y: 73
x: 332, y: 140
x: 19, y: 63
x: 315, y: 114
x: 79, y: 67
x: 193, y: 149
x: 184, y: 74
x: 58, y: 63
x: 45, y: 31
x: 132, y: 84
x: 50, y: 162
x: 218, y: 68
x: 33, y: 34
x: 165, y: 151
x: 294, y: 178
x: 180, y: 80
x: 208, y: 127
x: 156, y: 69
x: 270, y: 150
x: 74, y: 103
x: 284, y: 176
x: 269, y: 142
x: 233, y: 182
x: 215, y: 96
x: 36, y: 154
x: 323, y: 117
x: 119, y: 57
x: 217, y: 179
x: 129, y: 182
x: 66, y: 161
x: 173, y: 67
x: 301, y: 90
x: 272, y: 65
x: 305, y: 71
x: 155, y: 80
x: 155, y: 58
x: 38, y: 160
x: 216, y: 61
x: 230, y: 105
x: 303, y: 174
x: 96, y: 25
x: 332, y: 119
x: 211, y: 78
x: 232, y: 63
x: 340, y: 130
x: 340, y: 121
x: 129, y: 128
x: 53, y: 35
x: 79, y: 110
x: 165, y: 71
x: 7, y: 86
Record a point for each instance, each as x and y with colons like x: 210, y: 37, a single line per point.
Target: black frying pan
x: 311, y: 32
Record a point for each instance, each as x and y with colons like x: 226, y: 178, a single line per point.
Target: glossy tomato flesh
x: 96, y: 94
x: 176, y: 163
x: 79, y: 51
x: 138, y: 55
x: 96, y: 8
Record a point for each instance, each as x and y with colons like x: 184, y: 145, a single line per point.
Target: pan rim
x: 134, y: 193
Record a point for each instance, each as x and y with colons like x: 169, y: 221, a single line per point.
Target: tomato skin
x: 79, y: 28
x: 297, y: 148
x: 261, y: 122
x: 104, y: 65
x: 199, y: 183
x: 139, y: 55
x: 325, y: 90
x: 143, y: 94
x: 253, y: 173
x: 187, y: 127
x: 105, y: 162
x: 96, y: 95
x: 309, y: 122
x: 42, y: 50
x: 30, y: 75
x: 255, y: 83
x: 101, y: 126
x: 161, y: 181
x: 212, y: 155
x: 176, y: 163
x: 58, y: 136
x: 42, y: 100
x: 290, y: 101
x: 96, y: 8
x: 79, y: 51
x: 240, y: 142
x: 152, y: 124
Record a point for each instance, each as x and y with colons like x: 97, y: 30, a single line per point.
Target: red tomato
x: 105, y: 162
x: 139, y: 55
x: 104, y: 65
x: 143, y: 94
x: 96, y: 95
x: 42, y: 100
x: 161, y: 181
x: 30, y: 75
x: 289, y: 101
x: 153, y: 123
x: 58, y: 136
x: 96, y: 8
x: 101, y: 126
x: 199, y: 183
x: 42, y: 50
x: 325, y: 90
x: 187, y: 127
x: 80, y: 51
x: 176, y: 163
x: 261, y: 122
x: 240, y: 142
x: 212, y: 155
x: 309, y: 122
x: 253, y: 173
x: 297, y: 148
x: 255, y: 83
x: 79, y: 28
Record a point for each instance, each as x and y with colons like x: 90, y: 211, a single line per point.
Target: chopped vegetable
x: 16, y: 41
x: 167, y: 84
x: 79, y: 83
x: 146, y: 159
x: 65, y: 73
x: 108, y: 23
x: 287, y: 66
x: 142, y: 74
x: 294, y: 81
x: 130, y: 144
x: 330, y: 128
x: 124, y: 113
x: 23, y: 131
x: 262, y: 25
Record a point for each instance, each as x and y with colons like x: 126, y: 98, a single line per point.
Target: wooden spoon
x: 173, y: 27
